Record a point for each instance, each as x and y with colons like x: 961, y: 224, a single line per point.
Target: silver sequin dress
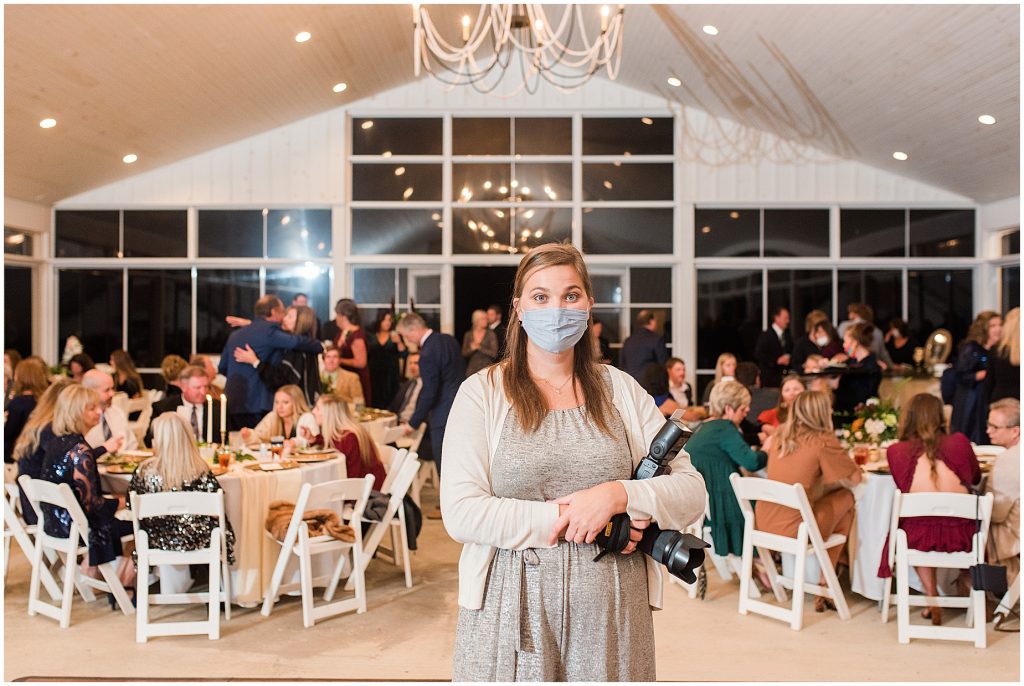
x: 553, y: 614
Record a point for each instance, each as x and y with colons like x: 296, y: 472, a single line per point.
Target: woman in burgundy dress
x: 928, y: 460
x: 351, y: 342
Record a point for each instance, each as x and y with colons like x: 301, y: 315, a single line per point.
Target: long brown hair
x: 124, y: 369
x: 30, y: 376
x: 978, y: 330
x: 41, y: 416
x: 520, y: 388
x: 305, y: 321
x: 922, y: 424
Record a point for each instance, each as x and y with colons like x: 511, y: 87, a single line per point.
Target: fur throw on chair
x: 319, y: 522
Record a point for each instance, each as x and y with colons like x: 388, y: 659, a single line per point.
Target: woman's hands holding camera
x: 584, y: 514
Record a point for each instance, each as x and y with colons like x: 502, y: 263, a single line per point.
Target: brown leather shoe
x: 434, y: 514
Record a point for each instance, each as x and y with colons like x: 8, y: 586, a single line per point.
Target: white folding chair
x: 807, y: 542
x: 177, y: 503
x: 297, y: 541
x: 144, y: 406
x: 428, y: 470
x: 60, y: 495
x: 17, y: 529
x: 120, y: 400
x: 394, y: 521
x: 901, y: 558
x: 1007, y: 602
x: 396, y: 458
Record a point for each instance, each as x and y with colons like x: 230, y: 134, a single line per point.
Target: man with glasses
x: 1004, y: 485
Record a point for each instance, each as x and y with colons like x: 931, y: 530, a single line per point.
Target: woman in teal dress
x: 717, y: 449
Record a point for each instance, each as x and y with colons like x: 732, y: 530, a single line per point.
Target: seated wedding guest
x: 725, y: 370
x: 35, y: 438
x: 113, y: 422
x: 899, y: 343
x: 70, y: 460
x: 78, y: 365
x: 678, y: 387
x: 862, y: 375
x: 340, y: 430
x: 1004, y: 484
x: 337, y: 380
x: 11, y: 359
x: 479, y: 344
x: 126, y: 377
x: 805, y: 450
x: 299, y: 366
x: 171, y: 368
x: 771, y: 418
x: 404, y: 402
x: 717, y: 449
x: 654, y: 380
x: 761, y: 399
x: 289, y: 414
x: 216, y: 386
x: 1003, y: 377
x: 177, y: 467
x: 30, y: 381
x: 928, y: 460
x: 191, y: 406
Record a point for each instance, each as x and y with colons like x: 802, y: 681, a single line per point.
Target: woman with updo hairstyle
x: 385, y: 351
x: 862, y: 375
x: 970, y: 402
x: 351, y: 343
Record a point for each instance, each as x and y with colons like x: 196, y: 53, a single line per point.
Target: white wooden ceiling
x: 170, y: 81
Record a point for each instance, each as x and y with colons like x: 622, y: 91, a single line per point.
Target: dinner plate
x: 217, y: 470
x: 135, y: 453
x: 283, y: 464
x: 877, y: 467
x: 315, y: 457
x: 126, y: 468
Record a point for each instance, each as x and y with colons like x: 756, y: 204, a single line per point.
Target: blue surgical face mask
x: 555, y: 329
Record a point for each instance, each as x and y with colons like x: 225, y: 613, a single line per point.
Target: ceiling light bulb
x: 734, y: 215
x: 710, y: 30
x: 647, y: 121
x: 340, y: 87
x: 407, y: 194
x: 901, y: 156
x: 302, y: 36
x: 399, y: 171
x: 48, y: 123
x: 503, y: 190
x: 386, y: 153
x: 129, y: 158
x: 436, y: 217
x: 705, y: 229
x: 368, y: 124
x: 987, y: 119
x: 286, y: 220
x: 674, y: 82
x: 487, y: 185
x: 525, y: 190
x: 607, y: 184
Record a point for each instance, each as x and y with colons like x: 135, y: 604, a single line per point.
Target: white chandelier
x: 561, y: 52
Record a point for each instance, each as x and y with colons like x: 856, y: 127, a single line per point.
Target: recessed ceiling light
x: 129, y: 158
x: 901, y: 156
x: 987, y: 119
x: 710, y: 30
x: 340, y: 87
x: 399, y: 171
x: 647, y: 120
x: 302, y: 36
x: 368, y: 124
x: 673, y: 81
x: 48, y: 123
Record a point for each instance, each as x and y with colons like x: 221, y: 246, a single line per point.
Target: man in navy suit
x: 249, y: 399
x: 442, y: 370
x: 643, y: 347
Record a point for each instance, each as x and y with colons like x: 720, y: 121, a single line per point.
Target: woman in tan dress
x: 805, y: 450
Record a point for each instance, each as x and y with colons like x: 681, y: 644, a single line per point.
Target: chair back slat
x: 398, y: 460
x: 58, y: 495
x: 176, y: 503
x: 961, y: 505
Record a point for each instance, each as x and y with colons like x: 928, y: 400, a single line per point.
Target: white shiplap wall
x: 303, y: 162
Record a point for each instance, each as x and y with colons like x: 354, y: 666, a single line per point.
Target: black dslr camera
x: 681, y: 553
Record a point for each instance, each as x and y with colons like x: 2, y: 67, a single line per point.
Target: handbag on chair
x: 985, y: 577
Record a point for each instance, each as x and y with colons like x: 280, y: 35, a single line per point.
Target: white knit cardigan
x: 483, y: 522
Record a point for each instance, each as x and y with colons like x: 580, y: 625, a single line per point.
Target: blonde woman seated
x: 337, y: 428
x: 177, y: 467
x: 805, y: 451
x: 290, y: 414
x: 725, y: 370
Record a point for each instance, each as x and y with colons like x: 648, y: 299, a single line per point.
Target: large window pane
x: 1010, y: 243
x: 796, y: 233
x: 481, y: 182
x: 86, y: 233
x: 662, y: 315
x: 406, y: 136
x: 17, y: 242
x: 472, y: 227
x: 18, y: 309
x: 728, y: 313
x: 800, y: 291
x: 312, y: 279
x: 373, y: 285
x: 390, y: 232
x: 155, y: 233
x: 627, y: 136
x: 220, y: 292
x: 159, y: 315
x: 426, y: 288
x: 650, y: 284
x: 872, y: 233
x: 627, y: 231
x: 607, y: 288
x: 627, y: 182
x: 939, y: 298
x: 727, y: 233
x: 544, y: 181
x: 536, y: 226
x: 481, y: 136
x: 1010, y: 277
x: 880, y: 288
x: 612, y: 320
x: 396, y: 182
x: 90, y: 308
x: 299, y: 234
x: 941, y: 233
x: 543, y: 136
x: 230, y: 233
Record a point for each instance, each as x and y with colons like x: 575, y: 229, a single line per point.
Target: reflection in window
x: 391, y: 232
x: 377, y: 287
x: 405, y: 136
x: 796, y: 233
x: 299, y: 234
x: 872, y: 233
x: 627, y: 181
x: 17, y: 242
x: 1010, y: 243
x: 611, y: 318
x: 311, y: 279
x: 396, y: 181
x: 481, y: 182
x: 220, y: 292
x: 650, y: 284
x: 728, y: 313
x: 373, y: 284
x: 939, y: 298
x: 544, y: 182
x: 621, y: 231
x: 1010, y: 279
x: 880, y: 288
x: 627, y: 136
x: 155, y: 233
x: 607, y: 288
x: 481, y: 136
x: 543, y: 135
x: 159, y: 314
x: 800, y: 291
x: 89, y: 302
x: 473, y: 227
x: 230, y: 233
x: 941, y: 233
x: 87, y: 233
x: 536, y: 226
x: 18, y: 309
x: 727, y: 233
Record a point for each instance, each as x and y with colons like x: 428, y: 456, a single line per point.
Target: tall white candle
x: 223, y: 412
x: 209, y: 419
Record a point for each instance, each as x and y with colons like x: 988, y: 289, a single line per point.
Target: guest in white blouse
x: 113, y: 423
x: 1004, y: 485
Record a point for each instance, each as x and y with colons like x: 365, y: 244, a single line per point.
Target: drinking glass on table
x: 861, y: 452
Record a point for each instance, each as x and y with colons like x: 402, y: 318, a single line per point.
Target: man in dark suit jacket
x: 774, y: 349
x: 496, y: 323
x: 643, y: 347
x: 442, y: 370
x: 194, y: 385
x: 248, y: 397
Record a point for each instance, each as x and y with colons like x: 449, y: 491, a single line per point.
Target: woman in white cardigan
x: 538, y: 458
